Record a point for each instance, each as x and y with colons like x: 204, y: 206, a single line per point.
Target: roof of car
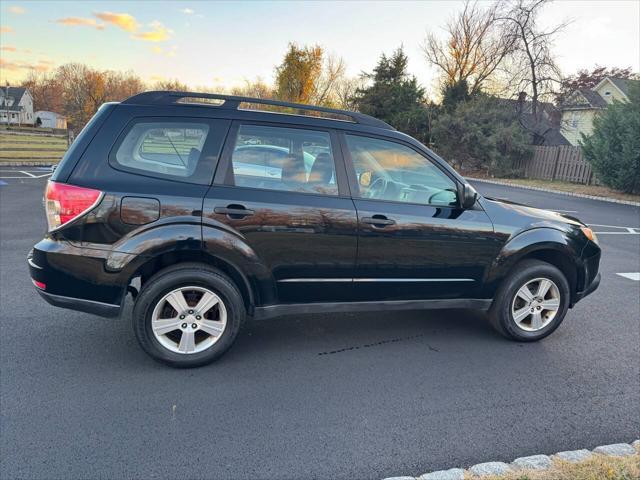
x: 231, y: 102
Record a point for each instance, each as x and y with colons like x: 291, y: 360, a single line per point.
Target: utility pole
x: 6, y: 102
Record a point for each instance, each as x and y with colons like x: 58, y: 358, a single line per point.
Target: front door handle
x: 235, y: 212
x: 378, y: 221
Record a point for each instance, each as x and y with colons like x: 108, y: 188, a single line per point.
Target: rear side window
x: 163, y: 148
x: 287, y: 159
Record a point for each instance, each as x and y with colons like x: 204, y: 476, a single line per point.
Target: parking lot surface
x: 295, y: 398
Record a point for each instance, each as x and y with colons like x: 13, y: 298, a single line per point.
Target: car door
x: 415, y: 241
x: 284, y: 191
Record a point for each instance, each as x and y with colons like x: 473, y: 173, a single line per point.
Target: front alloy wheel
x: 531, y: 301
x: 535, y: 304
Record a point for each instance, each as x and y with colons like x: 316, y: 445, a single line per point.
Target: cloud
x: 79, y: 21
x: 167, y: 52
x: 188, y: 11
x: 122, y: 20
x: 158, y: 33
x: 6, y: 30
x: 17, y: 10
x: 17, y: 66
x: 9, y: 48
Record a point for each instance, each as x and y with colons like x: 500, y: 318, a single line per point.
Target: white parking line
x: 625, y: 230
x: 30, y: 176
x: 631, y: 276
x: 607, y: 226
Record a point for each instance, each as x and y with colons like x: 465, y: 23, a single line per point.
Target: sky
x: 222, y: 44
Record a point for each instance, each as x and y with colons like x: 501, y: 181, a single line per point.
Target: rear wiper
x: 176, y: 150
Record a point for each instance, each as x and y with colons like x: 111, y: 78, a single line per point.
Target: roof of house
x: 15, y: 92
x: 621, y: 83
x: 593, y: 98
x: 47, y: 112
x: 546, y: 129
x: 553, y: 137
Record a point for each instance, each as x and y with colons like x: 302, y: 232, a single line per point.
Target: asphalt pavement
x: 293, y: 399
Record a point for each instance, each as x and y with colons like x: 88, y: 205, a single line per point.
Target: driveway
x: 317, y: 396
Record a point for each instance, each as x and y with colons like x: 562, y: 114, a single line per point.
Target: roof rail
x: 232, y: 102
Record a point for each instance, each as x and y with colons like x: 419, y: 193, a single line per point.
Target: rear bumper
x: 88, y: 306
x: 78, y: 279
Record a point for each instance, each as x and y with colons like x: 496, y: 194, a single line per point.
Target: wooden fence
x: 564, y: 163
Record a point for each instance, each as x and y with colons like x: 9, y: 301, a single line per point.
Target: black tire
x: 170, y: 278
x: 500, y: 315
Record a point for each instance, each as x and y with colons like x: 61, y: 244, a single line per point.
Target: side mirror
x: 469, y: 196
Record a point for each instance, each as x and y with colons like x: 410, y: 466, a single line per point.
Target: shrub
x: 483, y: 134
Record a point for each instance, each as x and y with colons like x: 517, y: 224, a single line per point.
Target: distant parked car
x: 211, y: 214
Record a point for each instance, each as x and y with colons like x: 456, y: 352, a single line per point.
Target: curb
x: 530, y: 463
x: 559, y: 192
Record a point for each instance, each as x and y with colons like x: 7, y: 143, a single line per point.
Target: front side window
x: 390, y: 171
x: 165, y: 148
x: 287, y: 159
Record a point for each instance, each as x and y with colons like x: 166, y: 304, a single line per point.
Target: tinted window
x: 166, y: 148
x: 390, y: 171
x: 287, y: 159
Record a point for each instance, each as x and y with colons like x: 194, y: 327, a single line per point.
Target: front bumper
x: 589, y: 290
x: 589, y: 276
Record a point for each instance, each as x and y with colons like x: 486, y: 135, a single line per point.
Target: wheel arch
x: 545, y: 244
x: 154, y: 264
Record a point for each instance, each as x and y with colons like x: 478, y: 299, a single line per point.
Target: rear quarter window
x: 163, y: 148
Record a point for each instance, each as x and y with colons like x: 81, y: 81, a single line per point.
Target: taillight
x: 64, y: 203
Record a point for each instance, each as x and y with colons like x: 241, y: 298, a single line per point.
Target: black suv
x: 210, y: 209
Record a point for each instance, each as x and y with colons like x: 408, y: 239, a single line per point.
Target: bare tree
x: 532, y: 67
x: 346, y: 89
x: 254, y: 88
x: 474, y: 48
x: 327, y: 83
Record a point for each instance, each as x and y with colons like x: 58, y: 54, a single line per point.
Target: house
x: 581, y: 106
x: 16, y: 106
x: 50, y: 120
x: 544, y: 127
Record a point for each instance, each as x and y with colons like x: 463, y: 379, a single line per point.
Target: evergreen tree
x: 395, y: 97
x: 613, y: 149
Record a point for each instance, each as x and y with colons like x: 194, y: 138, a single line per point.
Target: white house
x: 16, y: 106
x: 50, y: 119
x: 581, y: 107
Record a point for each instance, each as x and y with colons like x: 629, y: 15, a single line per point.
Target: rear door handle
x: 378, y: 221
x: 234, y: 211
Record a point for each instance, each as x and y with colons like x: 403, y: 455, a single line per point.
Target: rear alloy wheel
x: 531, y: 302
x: 189, y: 320
x: 188, y: 315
